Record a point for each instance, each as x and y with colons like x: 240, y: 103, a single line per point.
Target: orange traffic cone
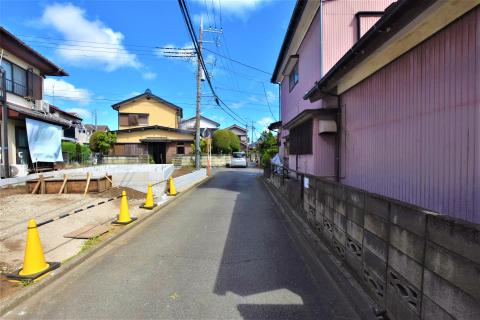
x: 34, y: 264
x: 149, y: 203
x: 171, y: 188
x: 124, y: 215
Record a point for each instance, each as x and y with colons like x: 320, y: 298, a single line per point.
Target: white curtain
x: 44, y: 141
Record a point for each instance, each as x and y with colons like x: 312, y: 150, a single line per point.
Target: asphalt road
x: 221, y: 252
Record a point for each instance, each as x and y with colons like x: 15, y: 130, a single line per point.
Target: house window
x: 180, y: 147
x: 293, y: 77
x: 300, y: 138
x: 16, y: 78
x: 21, y: 142
x: 133, y: 119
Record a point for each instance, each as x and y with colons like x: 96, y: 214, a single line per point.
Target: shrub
x: 102, y: 141
x: 203, y: 146
x: 267, y: 147
x: 84, y: 151
x: 75, y: 151
x: 225, y: 141
x: 268, y: 155
x: 69, y: 148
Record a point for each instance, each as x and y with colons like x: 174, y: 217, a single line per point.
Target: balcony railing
x: 16, y: 88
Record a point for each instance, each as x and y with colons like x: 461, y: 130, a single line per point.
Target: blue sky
x: 110, y: 49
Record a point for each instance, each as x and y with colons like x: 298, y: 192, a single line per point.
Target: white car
x: 239, y: 159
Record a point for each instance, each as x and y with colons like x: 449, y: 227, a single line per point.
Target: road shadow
x: 261, y: 263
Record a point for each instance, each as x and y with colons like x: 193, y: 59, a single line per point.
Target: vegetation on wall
x: 225, y: 141
x: 203, y: 147
x: 102, y: 141
x: 267, y: 147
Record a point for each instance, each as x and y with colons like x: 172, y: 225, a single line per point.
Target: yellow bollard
x: 34, y: 264
x: 171, y: 188
x: 149, y: 203
x: 124, y: 215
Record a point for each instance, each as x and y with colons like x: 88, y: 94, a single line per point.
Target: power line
x: 191, y: 31
x: 268, y: 103
x: 239, y: 62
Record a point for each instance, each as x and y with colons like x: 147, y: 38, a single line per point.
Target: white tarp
x: 44, y: 141
x: 276, y: 160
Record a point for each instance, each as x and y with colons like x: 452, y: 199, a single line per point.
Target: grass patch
x: 26, y: 283
x: 90, y: 243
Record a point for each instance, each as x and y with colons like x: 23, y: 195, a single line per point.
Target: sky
x: 114, y: 50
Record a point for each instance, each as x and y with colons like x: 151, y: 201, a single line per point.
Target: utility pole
x: 199, y: 96
x: 252, y: 135
x: 4, y: 134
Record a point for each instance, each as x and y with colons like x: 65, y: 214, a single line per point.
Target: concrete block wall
x: 416, y: 264
x: 189, y: 160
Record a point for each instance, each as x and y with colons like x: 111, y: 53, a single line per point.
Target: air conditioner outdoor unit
x: 327, y: 126
x: 42, y: 105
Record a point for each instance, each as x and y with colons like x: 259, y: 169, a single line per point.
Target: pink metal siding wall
x: 339, y: 36
x: 308, y: 71
x: 412, y: 129
x: 292, y: 101
x: 340, y: 27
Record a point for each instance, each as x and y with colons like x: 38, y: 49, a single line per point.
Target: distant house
x: 30, y: 132
x: 86, y: 130
x: 207, y: 126
x: 242, y: 134
x: 72, y: 132
x: 148, y: 124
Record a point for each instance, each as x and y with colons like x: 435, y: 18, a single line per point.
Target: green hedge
x: 76, y: 151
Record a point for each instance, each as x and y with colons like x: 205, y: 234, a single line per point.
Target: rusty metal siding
x: 412, y: 128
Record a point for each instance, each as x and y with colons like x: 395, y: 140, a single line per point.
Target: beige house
x: 148, y: 124
x: 23, y: 110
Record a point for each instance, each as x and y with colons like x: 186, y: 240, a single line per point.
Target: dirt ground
x: 116, y: 191
x: 182, y: 171
x: 5, y: 192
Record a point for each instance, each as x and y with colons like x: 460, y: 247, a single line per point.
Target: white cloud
x: 217, y: 118
x: 207, y: 19
x: 238, y: 105
x: 174, y: 52
x: 264, y: 123
x: 105, y: 46
x: 63, y: 90
x: 271, y: 96
x: 235, y: 8
x: 149, y: 75
x: 81, y: 112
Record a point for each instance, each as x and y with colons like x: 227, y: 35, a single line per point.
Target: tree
x: 225, y: 141
x: 102, y: 141
x: 267, y: 146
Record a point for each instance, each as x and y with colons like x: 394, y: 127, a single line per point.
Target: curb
x: 321, y: 259
x: 23, y: 295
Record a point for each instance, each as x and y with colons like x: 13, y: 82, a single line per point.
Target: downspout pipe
x: 321, y: 37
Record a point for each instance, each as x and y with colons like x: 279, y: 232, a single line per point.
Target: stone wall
x: 218, y: 160
x: 142, y: 158
x: 416, y: 264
